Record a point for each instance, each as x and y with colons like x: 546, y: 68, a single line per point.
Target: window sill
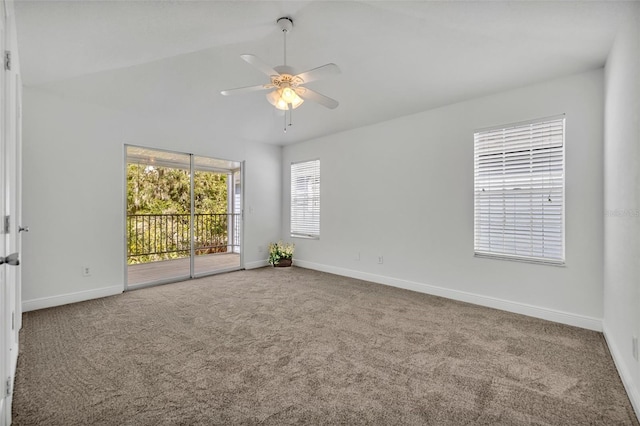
x: 534, y: 260
x: 306, y: 237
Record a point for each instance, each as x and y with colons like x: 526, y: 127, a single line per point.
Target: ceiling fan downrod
x: 286, y: 24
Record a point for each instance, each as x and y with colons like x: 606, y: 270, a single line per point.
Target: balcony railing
x: 168, y: 236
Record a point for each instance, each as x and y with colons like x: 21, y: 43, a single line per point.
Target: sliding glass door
x: 183, y: 216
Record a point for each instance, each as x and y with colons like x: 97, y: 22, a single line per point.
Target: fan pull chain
x: 290, y: 110
x: 290, y: 113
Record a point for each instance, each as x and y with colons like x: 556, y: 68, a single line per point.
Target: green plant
x: 279, y: 251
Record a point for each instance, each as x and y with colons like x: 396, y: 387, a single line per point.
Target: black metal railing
x: 166, y: 236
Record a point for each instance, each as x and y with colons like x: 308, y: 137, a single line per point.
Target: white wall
x: 73, y: 167
x: 622, y: 203
x: 403, y: 189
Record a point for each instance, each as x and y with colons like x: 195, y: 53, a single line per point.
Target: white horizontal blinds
x: 305, y: 199
x: 519, y: 191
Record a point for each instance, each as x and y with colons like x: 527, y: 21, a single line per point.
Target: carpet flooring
x: 278, y: 346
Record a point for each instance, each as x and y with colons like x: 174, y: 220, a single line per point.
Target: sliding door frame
x: 192, y: 272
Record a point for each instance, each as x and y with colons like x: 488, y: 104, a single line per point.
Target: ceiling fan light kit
x: 284, y: 99
x: 288, y: 91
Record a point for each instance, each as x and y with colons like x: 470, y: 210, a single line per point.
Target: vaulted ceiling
x: 172, y: 58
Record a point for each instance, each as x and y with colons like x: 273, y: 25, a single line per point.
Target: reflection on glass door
x: 183, y: 216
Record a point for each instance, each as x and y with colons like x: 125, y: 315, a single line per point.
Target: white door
x: 10, y: 200
x: 4, y: 324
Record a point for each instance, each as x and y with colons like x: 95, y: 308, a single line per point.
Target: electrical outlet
x: 357, y: 257
x: 634, y: 347
x: 86, y: 271
x: 380, y: 260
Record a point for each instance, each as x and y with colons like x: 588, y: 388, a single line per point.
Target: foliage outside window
x: 158, y: 212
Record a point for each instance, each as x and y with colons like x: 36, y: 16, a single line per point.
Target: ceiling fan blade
x: 312, y: 95
x: 241, y: 90
x: 320, y: 72
x: 260, y: 64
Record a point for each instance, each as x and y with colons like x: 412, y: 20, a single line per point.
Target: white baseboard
x: 257, y: 264
x: 64, y: 299
x: 581, y: 321
x: 623, y: 371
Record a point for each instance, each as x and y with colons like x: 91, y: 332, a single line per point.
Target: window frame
x: 299, y: 229
x: 548, y: 227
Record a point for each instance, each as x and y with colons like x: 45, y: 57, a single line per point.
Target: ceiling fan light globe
x: 288, y: 94
x: 290, y: 97
x: 297, y: 101
x: 282, y: 105
x: 273, y: 97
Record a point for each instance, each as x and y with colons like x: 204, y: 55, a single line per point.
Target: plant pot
x: 283, y: 263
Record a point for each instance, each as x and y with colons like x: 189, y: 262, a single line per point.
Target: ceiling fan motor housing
x: 285, y: 69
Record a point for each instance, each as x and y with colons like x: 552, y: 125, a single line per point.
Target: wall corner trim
x: 623, y: 371
x: 575, y: 320
x: 64, y: 299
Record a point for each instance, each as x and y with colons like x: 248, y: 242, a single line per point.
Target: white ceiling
x: 172, y: 58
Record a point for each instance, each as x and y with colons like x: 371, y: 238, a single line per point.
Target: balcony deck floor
x: 144, y: 273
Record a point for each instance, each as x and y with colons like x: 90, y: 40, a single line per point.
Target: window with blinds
x: 305, y: 199
x: 519, y: 191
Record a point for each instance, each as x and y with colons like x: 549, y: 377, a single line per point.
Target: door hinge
x: 8, y: 388
x: 7, y: 60
x: 7, y: 222
x: 13, y: 320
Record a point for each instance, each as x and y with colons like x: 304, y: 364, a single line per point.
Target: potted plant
x: 281, y: 254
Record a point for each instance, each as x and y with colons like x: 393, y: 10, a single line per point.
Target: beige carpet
x: 292, y: 346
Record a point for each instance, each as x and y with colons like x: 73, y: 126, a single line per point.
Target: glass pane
x: 217, y: 195
x: 158, y: 216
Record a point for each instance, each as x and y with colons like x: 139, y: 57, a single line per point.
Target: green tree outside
x: 158, y: 206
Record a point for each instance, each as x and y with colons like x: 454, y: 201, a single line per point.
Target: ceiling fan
x: 288, y: 87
